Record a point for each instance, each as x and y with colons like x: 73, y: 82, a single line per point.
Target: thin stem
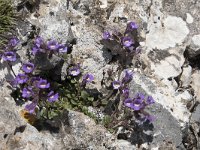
x: 10, y: 66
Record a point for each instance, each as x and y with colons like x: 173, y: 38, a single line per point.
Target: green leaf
x: 91, y: 99
x: 52, y: 114
x: 69, y: 95
x: 104, y: 102
x: 84, y: 94
x: 73, y: 102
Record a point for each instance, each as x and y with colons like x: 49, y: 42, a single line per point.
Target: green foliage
x: 7, y: 18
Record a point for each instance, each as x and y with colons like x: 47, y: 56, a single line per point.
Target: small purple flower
x: 128, y: 102
x: 62, y: 48
x: 132, y: 25
x: 13, y: 42
x: 127, y: 41
x: 75, y: 71
x: 27, y: 92
x: 137, y: 104
x: 116, y: 84
x: 52, y: 97
x: 38, y: 41
x: 21, y: 78
x: 125, y: 92
x: 28, y: 67
x: 87, y: 78
x: 43, y: 84
x: 31, y: 107
x: 106, y: 35
x: 35, y: 50
x: 150, y: 100
x: 139, y: 96
x: 128, y: 76
x: 52, y: 45
x: 9, y: 56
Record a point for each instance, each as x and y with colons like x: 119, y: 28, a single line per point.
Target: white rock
x: 189, y: 18
x: 165, y: 95
x: 167, y: 33
x: 104, y: 3
x: 169, y: 67
x: 196, y: 40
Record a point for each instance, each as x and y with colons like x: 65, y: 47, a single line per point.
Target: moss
x: 7, y: 19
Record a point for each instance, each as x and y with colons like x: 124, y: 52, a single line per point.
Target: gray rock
x: 196, y: 84
x: 81, y: 132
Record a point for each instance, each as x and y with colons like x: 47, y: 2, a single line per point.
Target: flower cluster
x: 9, y: 53
x: 138, y: 102
x: 51, y: 46
x: 121, y: 43
x: 33, y: 88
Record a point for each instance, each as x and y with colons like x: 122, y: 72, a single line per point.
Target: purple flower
x: 135, y: 104
x: 127, y: 41
x: 21, y: 78
x: 13, y: 42
x: 52, y: 97
x: 125, y: 92
x: 35, y: 50
x: 52, y: 45
x: 9, y: 56
x: 87, y: 78
x: 138, y: 104
x: 132, y: 25
x: 128, y: 76
x: 38, y: 41
x: 116, y: 84
x: 28, y: 67
x: 27, y: 92
x: 75, y: 71
x: 43, y: 84
x: 106, y: 35
x: 150, y: 100
x: 62, y: 48
x: 128, y: 102
x: 139, y: 96
x: 31, y: 107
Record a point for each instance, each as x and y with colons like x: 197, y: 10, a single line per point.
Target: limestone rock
x: 196, y: 84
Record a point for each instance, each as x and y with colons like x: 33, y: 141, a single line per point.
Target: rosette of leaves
x: 7, y: 19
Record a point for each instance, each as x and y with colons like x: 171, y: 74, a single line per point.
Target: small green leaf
x: 84, y: 94
x: 90, y: 99
x: 104, y: 102
x: 73, y: 102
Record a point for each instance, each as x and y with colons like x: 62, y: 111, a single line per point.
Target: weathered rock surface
x: 196, y: 84
x: 81, y: 132
x: 169, y: 32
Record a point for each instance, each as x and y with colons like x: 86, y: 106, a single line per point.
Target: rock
x: 196, y: 84
x: 194, y: 48
x: 81, y: 132
x: 166, y: 33
x: 186, y: 76
x: 164, y: 93
x: 171, y: 64
x: 189, y: 18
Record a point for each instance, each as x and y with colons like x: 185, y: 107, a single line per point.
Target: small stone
x: 189, y: 18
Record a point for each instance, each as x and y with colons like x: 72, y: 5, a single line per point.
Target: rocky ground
x: 168, y: 69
